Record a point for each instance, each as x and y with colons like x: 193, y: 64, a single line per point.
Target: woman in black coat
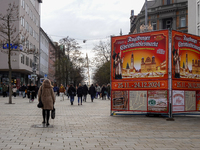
x: 85, y: 92
x: 80, y: 94
x: 72, y: 92
x: 92, y: 92
x: 103, y: 92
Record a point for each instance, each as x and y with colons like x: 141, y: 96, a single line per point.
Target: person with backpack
x: 80, y: 93
x: 72, y: 92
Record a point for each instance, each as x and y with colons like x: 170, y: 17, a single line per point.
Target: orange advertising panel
x: 140, y: 56
x: 185, y: 56
x: 131, y: 85
x: 176, y: 84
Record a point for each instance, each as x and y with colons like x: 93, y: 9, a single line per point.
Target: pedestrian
x: 55, y: 90
x: 36, y: 90
x: 85, y: 92
x: 23, y: 89
x: 62, y: 91
x: 98, y: 90
x: 14, y: 90
x: 67, y: 90
x: 20, y: 91
x: 92, y: 92
x: 72, y: 93
x: 32, y: 91
x: 108, y: 91
x: 47, y: 98
x: 80, y: 93
x: 4, y: 89
x: 103, y: 92
x: 28, y: 90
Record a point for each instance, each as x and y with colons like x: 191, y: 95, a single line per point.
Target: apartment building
x: 194, y: 17
x: 162, y: 14
x: 47, y: 57
x: 44, y: 54
x: 21, y: 61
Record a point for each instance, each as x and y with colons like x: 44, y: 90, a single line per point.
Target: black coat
x: 71, y: 90
x: 92, y: 91
x: 85, y: 90
x: 80, y: 91
x: 103, y: 91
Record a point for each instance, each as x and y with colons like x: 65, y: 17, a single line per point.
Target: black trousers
x: 46, y: 115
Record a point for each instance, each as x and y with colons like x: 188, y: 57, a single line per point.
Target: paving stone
x: 90, y: 127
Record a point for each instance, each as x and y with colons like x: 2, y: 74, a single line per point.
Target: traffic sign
x: 45, y: 75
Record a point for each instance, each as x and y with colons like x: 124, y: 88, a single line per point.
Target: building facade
x: 44, y: 54
x: 22, y: 60
x: 194, y: 17
x: 162, y: 14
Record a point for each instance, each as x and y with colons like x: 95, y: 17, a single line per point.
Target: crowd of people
x: 29, y: 91
x: 47, y: 93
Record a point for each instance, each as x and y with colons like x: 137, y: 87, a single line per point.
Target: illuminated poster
x: 157, y: 100
x: 190, y: 100
x: 178, y: 100
x: 138, y: 100
x: 198, y: 99
x: 120, y: 100
x: 140, y: 56
x: 185, y: 56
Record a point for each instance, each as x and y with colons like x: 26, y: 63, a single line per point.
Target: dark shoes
x: 71, y: 103
x: 47, y: 124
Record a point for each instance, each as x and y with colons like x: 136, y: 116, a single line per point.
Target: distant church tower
x: 132, y: 61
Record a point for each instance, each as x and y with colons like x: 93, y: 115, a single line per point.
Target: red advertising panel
x: 139, y: 72
x: 140, y: 56
x: 185, y: 56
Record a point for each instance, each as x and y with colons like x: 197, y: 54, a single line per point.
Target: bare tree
x: 11, y: 37
x: 102, y: 53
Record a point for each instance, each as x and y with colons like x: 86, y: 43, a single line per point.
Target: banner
x: 138, y: 100
x: 178, y: 102
x: 190, y: 100
x: 157, y: 101
x: 119, y: 100
x: 185, y: 56
x: 140, y: 56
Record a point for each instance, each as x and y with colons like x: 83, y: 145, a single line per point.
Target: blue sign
x: 12, y: 46
x: 45, y: 75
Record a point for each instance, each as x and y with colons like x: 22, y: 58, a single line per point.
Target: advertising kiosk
x: 155, y: 73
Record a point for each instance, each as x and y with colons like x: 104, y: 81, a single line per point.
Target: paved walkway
x: 90, y: 127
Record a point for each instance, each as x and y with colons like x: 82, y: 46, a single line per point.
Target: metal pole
x: 170, y: 75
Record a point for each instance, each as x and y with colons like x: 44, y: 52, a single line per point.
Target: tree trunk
x: 9, y: 63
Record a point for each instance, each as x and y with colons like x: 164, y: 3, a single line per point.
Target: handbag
x: 53, y: 113
x: 40, y: 104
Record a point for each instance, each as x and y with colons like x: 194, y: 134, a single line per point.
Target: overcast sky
x: 91, y: 20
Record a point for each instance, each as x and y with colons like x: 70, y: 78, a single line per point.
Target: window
x: 27, y: 26
x: 183, y: 22
x: 31, y: 63
x: 22, y: 3
x: 22, y: 58
x: 31, y: 30
x: 22, y: 21
x: 27, y: 61
x: 27, y: 45
x: 154, y: 26
x: 168, y: 2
